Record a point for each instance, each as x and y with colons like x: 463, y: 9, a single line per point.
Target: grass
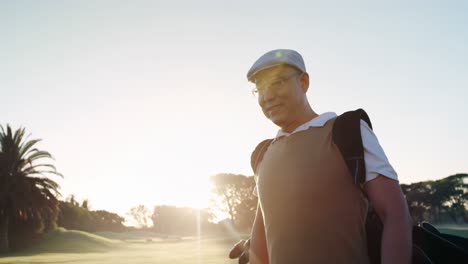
x: 68, y: 246
x: 454, y: 230
x: 72, y: 241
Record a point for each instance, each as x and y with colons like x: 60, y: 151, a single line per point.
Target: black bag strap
x: 347, y: 136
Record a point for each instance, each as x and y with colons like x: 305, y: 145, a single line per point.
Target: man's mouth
x: 273, y: 108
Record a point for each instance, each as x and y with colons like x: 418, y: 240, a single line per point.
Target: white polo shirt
x: 374, y: 156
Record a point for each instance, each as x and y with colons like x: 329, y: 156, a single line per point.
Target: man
x: 309, y: 209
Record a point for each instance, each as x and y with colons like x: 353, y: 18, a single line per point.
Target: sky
x: 140, y: 102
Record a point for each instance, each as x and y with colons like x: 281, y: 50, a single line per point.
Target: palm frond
x: 44, y: 173
x: 27, y: 146
x: 38, y: 155
x: 38, y: 167
x: 46, y: 183
x: 18, y: 136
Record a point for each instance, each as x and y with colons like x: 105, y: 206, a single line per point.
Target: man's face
x: 281, y: 95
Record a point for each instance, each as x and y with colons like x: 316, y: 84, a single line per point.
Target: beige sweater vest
x: 312, y: 211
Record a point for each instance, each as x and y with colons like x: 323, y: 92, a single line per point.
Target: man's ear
x: 304, y: 79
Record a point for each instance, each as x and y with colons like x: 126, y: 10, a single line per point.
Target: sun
x: 196, y: 195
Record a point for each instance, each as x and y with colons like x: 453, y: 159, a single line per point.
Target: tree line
x: 29, y: 204
x: 441, y: 201
x: 72, y: 215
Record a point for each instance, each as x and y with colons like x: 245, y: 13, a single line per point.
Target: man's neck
x: 307, y: 116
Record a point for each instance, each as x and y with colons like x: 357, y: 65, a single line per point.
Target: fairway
x: 183, y: 252
x: 81, y: 247
x: 69, y: 246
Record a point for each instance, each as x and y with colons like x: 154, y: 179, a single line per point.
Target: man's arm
x: 389, y: 203
x: 258, y: 248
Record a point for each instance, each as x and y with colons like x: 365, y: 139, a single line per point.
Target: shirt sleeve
x: 374, y: 156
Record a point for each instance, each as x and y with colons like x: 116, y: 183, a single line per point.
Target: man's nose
x: 268, y: 94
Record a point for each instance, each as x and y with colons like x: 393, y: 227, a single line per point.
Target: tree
x: 78, y: 217
x: 439, y: 201
x: 85, y: 204
x: 26, y: 192
x: 108, y: 221
x: 452, y: 194
x: 419, y: 198
x: 235, y: 193
x: 142, y: 216
x: 73, y: 216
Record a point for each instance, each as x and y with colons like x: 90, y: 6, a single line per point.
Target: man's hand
x: 255, y: 245
x: 241, y: 251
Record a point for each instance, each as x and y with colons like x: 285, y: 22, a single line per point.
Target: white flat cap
x: 275, y: 58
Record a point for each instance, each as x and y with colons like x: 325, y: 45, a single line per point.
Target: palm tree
x: 26, y: 192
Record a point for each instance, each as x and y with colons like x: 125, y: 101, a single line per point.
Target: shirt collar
x: 317, y: 121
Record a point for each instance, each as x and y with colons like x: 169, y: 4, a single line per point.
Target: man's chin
x: 277, y: 121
